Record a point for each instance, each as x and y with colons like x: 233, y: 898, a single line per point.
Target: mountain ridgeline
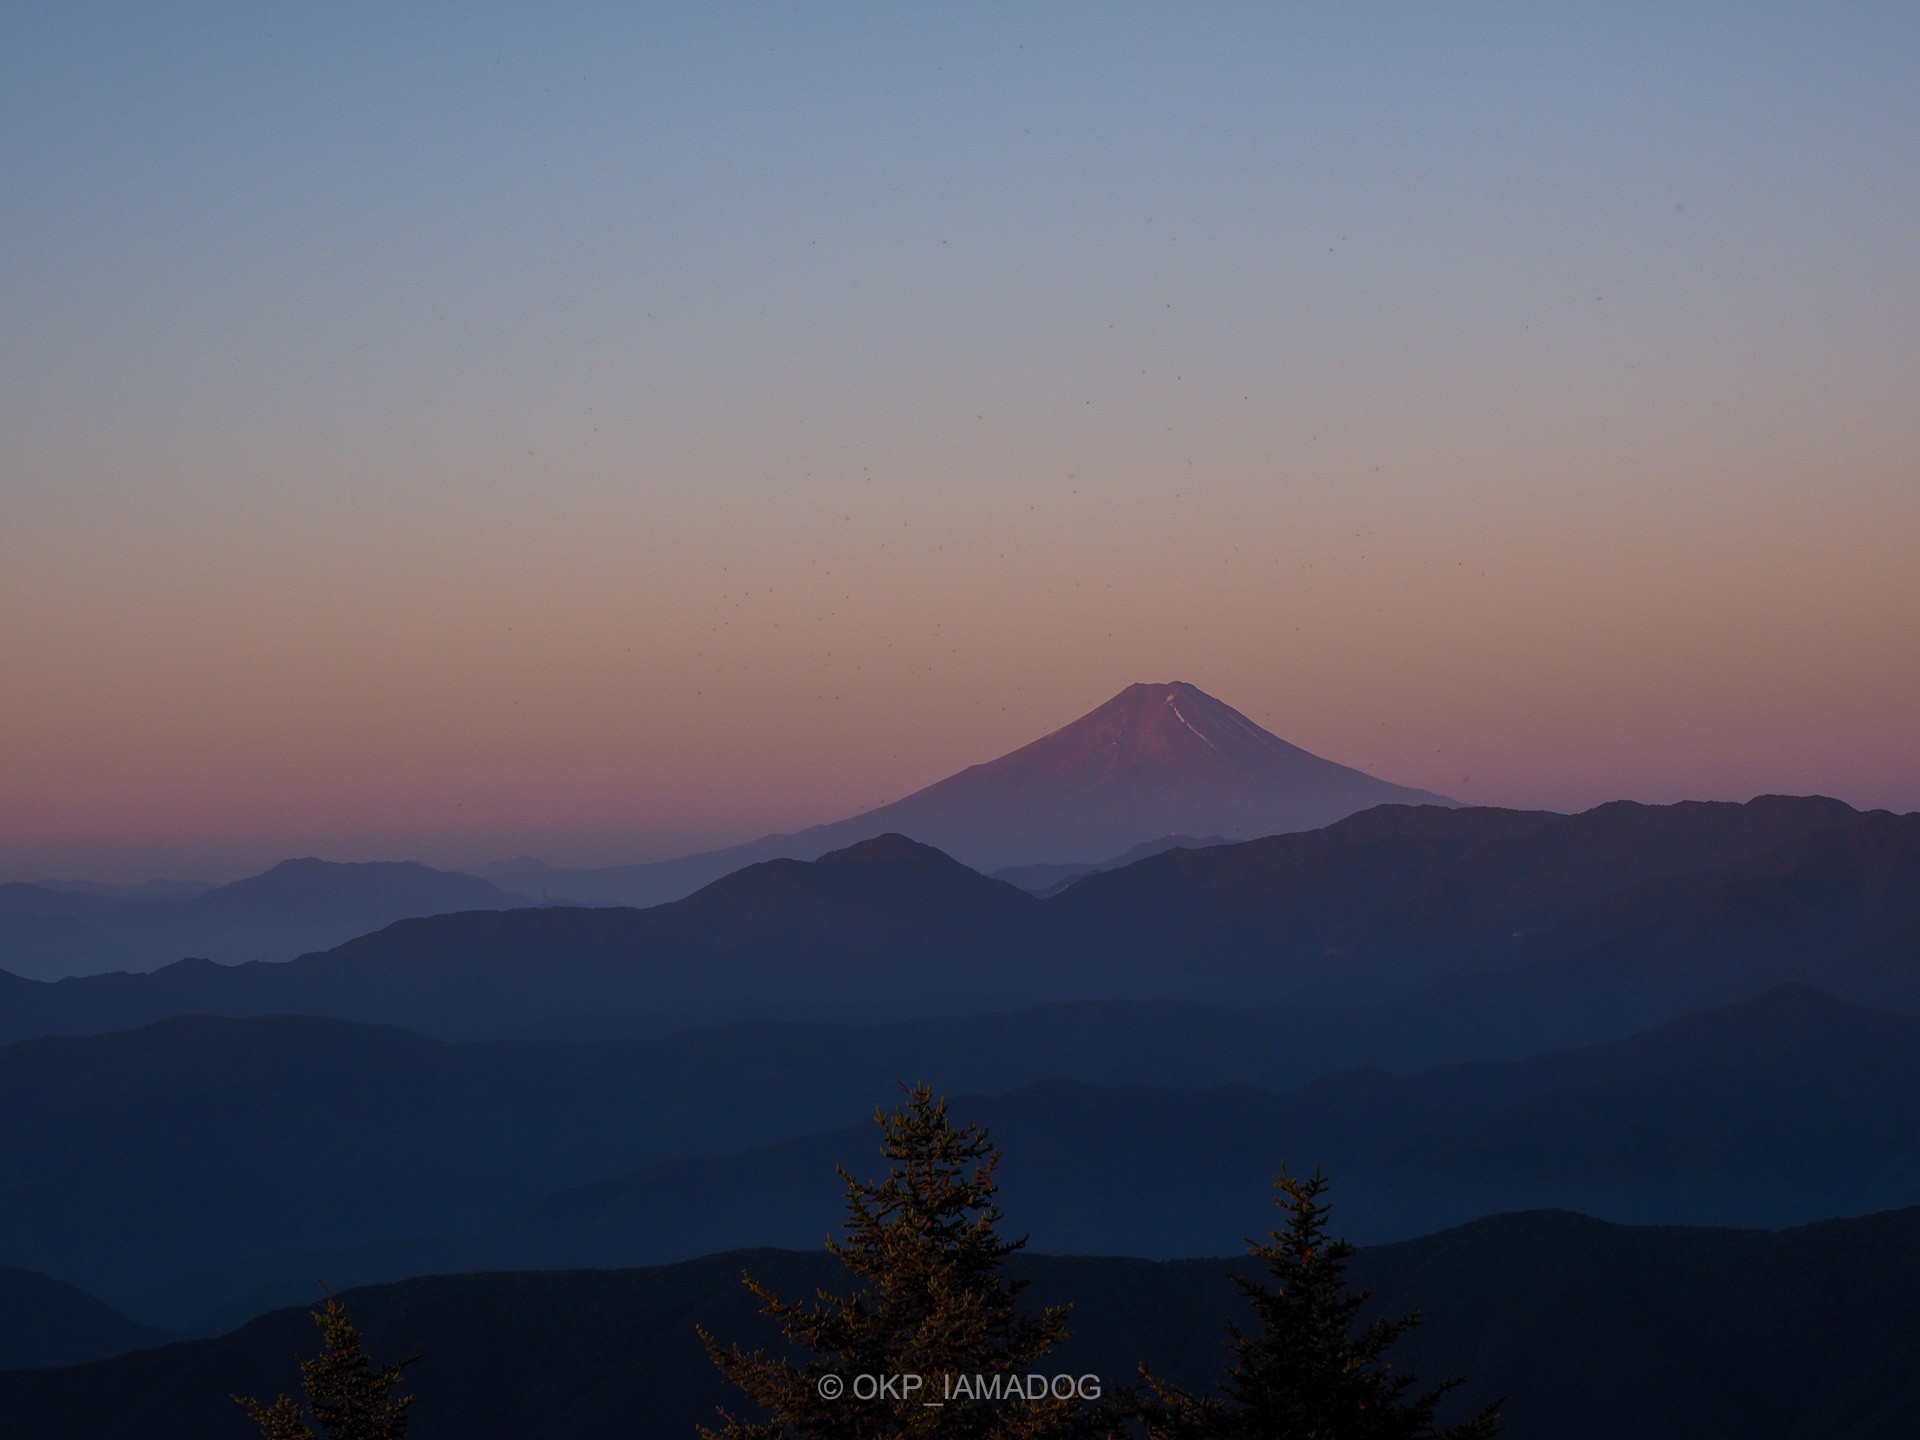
x: 50, y: 931
x: 1154, y: 761
x: 199, y: 1170
x: 1590, y: 1331
x: 46, y: 1322
x: 1566, y: 928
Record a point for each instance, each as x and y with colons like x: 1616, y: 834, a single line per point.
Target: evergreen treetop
x: 1310, y: 1371
x: 924, y: 1251
x: 347, y: 1397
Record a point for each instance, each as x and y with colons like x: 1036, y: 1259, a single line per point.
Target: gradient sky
x: 600, y: 431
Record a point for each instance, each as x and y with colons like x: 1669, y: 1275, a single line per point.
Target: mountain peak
x: 888, y: 849
x: 1156, y: 759
x: 382, y: 883
x: 1153, y: 735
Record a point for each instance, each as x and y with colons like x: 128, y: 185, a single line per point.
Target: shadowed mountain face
x: 1590, y: 1331
x: 133, y: 1157
x: 44, y: 1322
x: 1155, y: 760
x: 212, y: 1168
x: 1782, y: 1110
x: 48, y: 931
x: 1642, y: 899
x: 1583, y: 926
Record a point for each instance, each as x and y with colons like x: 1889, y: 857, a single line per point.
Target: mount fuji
x: 1154, y: 761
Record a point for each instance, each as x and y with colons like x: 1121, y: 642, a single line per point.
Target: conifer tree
x: 924, y: 1252
x: 1308, y: 1373
x: 346, y: 1396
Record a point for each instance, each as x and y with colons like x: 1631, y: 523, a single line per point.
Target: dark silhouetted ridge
x: 45, y: 1322
x: 1590, y: 1331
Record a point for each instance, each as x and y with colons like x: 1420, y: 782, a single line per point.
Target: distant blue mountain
x: 1579, y: 926
x: 52, y: 930
x: 1785, y: 1109
x: 206, y: 1165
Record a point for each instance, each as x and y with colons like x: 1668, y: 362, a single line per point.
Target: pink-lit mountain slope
x: 1155, y: 760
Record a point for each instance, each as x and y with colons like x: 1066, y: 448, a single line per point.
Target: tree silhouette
x: 347, y: 1397
x: 924, y: 1251
x: 1311, y: 1371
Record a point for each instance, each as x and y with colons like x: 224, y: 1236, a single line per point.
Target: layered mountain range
x: 1676, y: 1014
x: 52, y: 930
x: 1154, y: 761
x: 200, y: 1170
x: 1568, y: 927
